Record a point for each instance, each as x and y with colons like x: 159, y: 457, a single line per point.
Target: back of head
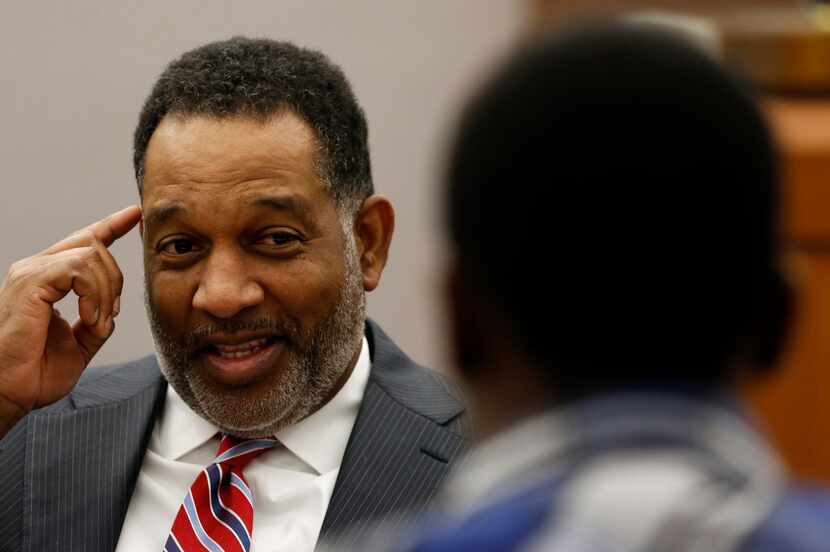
x: 612, y: 193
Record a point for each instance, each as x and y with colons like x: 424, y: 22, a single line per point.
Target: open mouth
x: 237, y: 350
x: 240, y: 350
x: 241, y: 362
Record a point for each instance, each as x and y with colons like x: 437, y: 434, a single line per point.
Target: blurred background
x: 74, y: 76
x: 784, y: 47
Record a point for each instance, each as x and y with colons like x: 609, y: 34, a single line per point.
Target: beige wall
x: 74, y: 74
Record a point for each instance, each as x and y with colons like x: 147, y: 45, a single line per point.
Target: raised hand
x: 42, y: 355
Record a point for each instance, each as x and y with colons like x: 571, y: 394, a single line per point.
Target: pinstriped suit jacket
x: 67, y: 471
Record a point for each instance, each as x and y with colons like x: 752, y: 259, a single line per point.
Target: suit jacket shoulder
x: 410, y: 430
x: 67, y: 471
x: 415, y: 387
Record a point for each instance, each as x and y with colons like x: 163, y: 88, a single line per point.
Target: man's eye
x: 178, y: 247
x: 279, y: 238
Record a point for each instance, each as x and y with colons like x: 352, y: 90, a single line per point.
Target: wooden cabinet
x: 793, y: 404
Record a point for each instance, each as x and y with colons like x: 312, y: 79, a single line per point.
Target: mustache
x: 196, y: 339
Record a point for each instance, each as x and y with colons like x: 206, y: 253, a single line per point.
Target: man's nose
x: 226, y: 287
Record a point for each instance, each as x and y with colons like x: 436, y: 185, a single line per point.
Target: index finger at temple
x: 106, y: 230
x: 116, y: 225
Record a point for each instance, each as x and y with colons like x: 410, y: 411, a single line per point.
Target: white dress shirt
x: 291, y: 483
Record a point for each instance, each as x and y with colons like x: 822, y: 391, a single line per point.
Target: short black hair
x: 258, y: 78
x: 612, y: 191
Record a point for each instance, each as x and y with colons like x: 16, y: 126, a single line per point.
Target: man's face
x: 254, y: 289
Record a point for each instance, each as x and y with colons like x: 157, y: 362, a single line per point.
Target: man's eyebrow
x: 283, y: 203
x: 160, y: 215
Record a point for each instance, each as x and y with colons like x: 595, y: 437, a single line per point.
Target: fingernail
x: 95, y: 315
x: 116, y: 307
x: 110, y: 325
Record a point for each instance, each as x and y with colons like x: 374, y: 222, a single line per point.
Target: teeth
x: 241, y: 350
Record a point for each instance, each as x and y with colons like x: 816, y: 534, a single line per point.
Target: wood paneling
x: 794, y: 403
x: 545, y: 12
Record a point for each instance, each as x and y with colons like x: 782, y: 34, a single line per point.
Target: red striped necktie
x: 217, y: 514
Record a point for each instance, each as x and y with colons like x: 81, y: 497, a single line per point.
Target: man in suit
x: 616, y: 274
x: 261, y: 234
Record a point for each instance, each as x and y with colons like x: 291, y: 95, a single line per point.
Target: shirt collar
x: 551, y: 442
x: 179, y: 430
x: 319, y: 440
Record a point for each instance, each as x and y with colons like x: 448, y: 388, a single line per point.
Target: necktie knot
x: 238, y: 453
x: 218, y: 511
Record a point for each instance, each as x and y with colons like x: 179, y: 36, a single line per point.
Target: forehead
x: 198, y: 155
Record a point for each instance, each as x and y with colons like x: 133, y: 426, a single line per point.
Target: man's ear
x: 373, y: 227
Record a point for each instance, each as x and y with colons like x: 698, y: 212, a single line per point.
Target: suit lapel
x: 83, y: 457
x: 400, y: 448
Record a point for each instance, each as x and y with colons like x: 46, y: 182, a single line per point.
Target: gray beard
x: 303, y: 387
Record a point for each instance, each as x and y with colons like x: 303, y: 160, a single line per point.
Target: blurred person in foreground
x: 613, y: 211
x: 261, y: 234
